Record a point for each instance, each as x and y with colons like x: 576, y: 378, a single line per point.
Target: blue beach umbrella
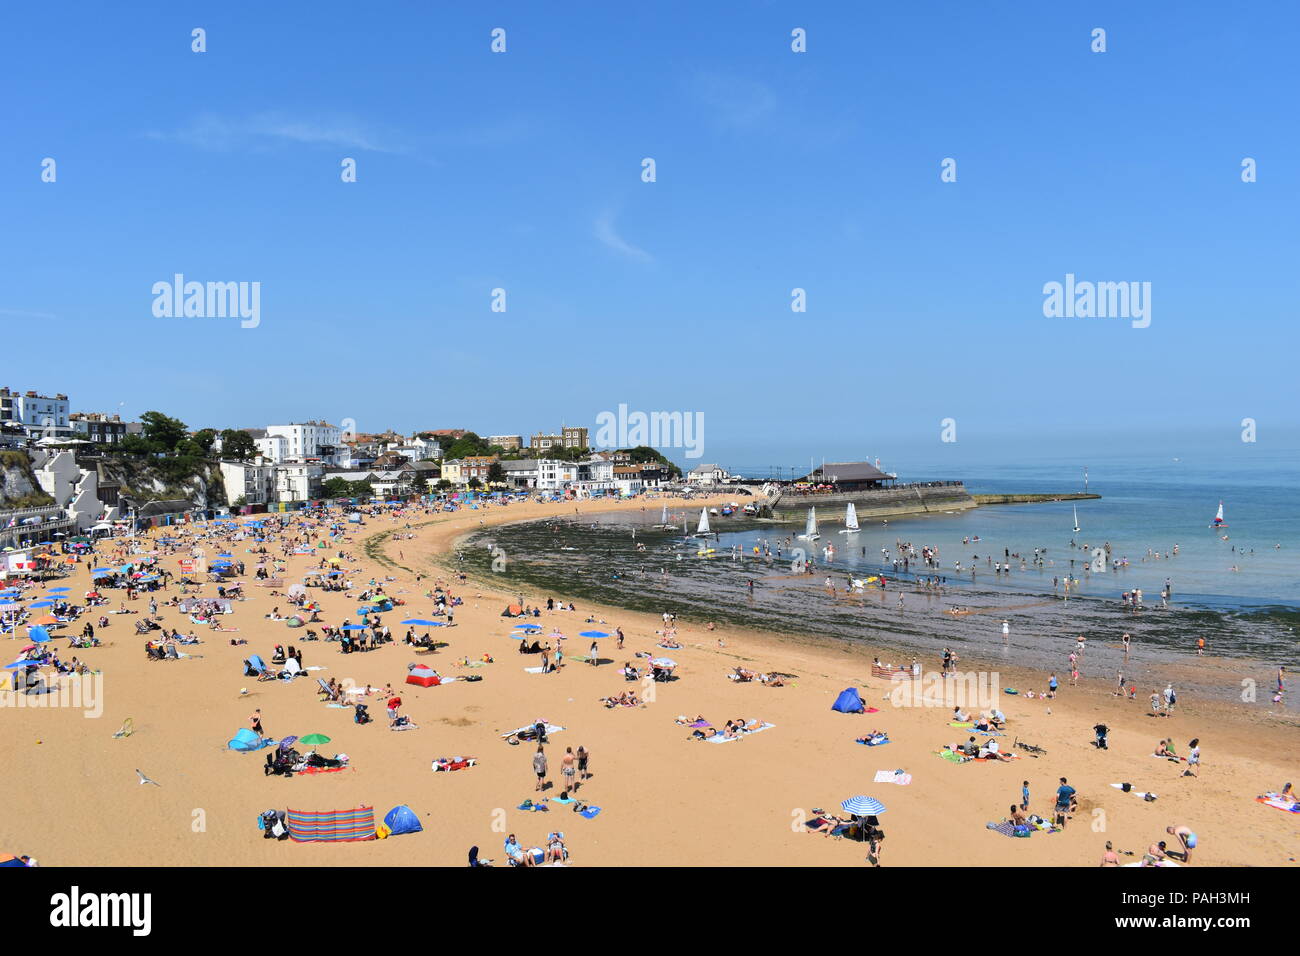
x: 38, y: 634
x: 592, y: 634
x: 44, y: 604
x: 863, y: 806
x: 528, y: 627
x: 57, y: 590
x: 422, y: 621
x: 354, y: 627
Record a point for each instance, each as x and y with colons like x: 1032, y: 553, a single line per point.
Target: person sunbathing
x: 826, y: 824
x: 875, y: 738
x: 704, y: 733
x: 958, y: 717
x: 683, y: 719
x: 773, y: 680
x: 744, y: 675
x: 555, y: 850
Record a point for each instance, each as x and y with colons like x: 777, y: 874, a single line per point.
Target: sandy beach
x: 74, y: 797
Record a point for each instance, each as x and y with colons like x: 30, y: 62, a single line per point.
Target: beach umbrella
x: 592, y: 634
x: 422, y: 621
x: 354, y: 627
x: 294, y: 622
x: 6, y: 601
x: 44, y: 604
x: 287, y: 742
x: 57, y: 590
x: 314, y: 740
x: 17, y: 664
x: 863, y: 806
x: 38, y: 634
x: 665, y: 662
x: 47, y: 619
x: 528, y: 627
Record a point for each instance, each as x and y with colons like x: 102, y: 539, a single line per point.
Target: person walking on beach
x: 618, y: 631
x: 583, y: 757
x: 1006, y: 631
x: 1125, y: 641
x: 1170, y: 699
x: 568, y: 769
x: 595, y: 655
x: 539, y: 767
x: 255, y: 721
x: 1200, y: 647
x: 1051, y: 686
x: 1064, y: 800
x: 1193, y: 758
x: 1155, y: 704
x: 1024, y: 795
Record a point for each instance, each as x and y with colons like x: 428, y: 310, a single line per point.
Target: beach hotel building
x: 507, y: 442
x: 300, y: 441
x: 707, y: 475
x: 40, y: 415
x: 98, y: 428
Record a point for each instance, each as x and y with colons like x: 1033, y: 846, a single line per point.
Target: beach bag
x: 1149, y: 797
x: 1020, y: 830
x: 1126, y: 787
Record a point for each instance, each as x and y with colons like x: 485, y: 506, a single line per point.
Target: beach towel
x: 1136, y: 793
x: 873, y: 743
x: 550, y: 729
x: 590, y: 813
x: 1275, y: 801
x: 893, y: 776
x: 719, y: 739
x: 964, y: 724
x: 1005, y: 828
x: 534, y: 670
x: 331, y: 826
x: 565, y: 801
x: 530, y: 806
x: 951, y: 756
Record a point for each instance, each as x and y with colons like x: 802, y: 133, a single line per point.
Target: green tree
x: 237, y: 444
x: 337, y: 487
x: 496, y: 473
x: 205, y: 437
x: 162, y: 432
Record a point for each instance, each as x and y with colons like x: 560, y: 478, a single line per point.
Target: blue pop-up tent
x: 849, y: 702
x: 245, y: 741
x: 402, y: 819
x: 257, y: 664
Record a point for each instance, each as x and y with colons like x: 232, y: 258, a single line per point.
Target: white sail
x: 1076, y: 517
x: 850, y: 519
x: 704, y: 522
x: 810, y: 529
x: 1218, y: 517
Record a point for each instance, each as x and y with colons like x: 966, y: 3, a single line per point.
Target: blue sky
x: 776, y: 170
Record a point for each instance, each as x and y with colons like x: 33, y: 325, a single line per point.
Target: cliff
x: 18, y: 485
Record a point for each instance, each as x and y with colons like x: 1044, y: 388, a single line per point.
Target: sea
x: 1237, y: 586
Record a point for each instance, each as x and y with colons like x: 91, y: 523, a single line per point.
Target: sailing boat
x: 1076, y: 519
x: 703, y: 530
x: 850, y: 520
x: 663, y: 520
x: 1218, y: 518
x: 810, y: 530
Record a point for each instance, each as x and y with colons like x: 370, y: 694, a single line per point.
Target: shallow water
x: 599, y: 559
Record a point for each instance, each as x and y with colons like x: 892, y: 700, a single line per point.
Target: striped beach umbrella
x: 863, y: 806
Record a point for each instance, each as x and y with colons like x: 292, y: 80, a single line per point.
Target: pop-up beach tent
x: 422, y: 676
x: 245, y: 741
x: 849, y: 702
x: 402, y: 819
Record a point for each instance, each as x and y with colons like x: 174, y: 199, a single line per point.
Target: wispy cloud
x: 606, y: 231
x: 736, y: 101
x: 210, y: 131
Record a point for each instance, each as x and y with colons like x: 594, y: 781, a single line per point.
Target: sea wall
x: 910, y: 499
x: 1030, y: 499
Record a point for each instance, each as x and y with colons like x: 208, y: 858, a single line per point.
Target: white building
x: 707, y: 475
x: 298, y: 481
x: 304, y: 441
x: 40, y: 415
x: 254, y: 481
x: 555, y: 475
x: 274, y: 448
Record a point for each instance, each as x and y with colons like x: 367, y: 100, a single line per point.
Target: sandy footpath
x: 72, y: 796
